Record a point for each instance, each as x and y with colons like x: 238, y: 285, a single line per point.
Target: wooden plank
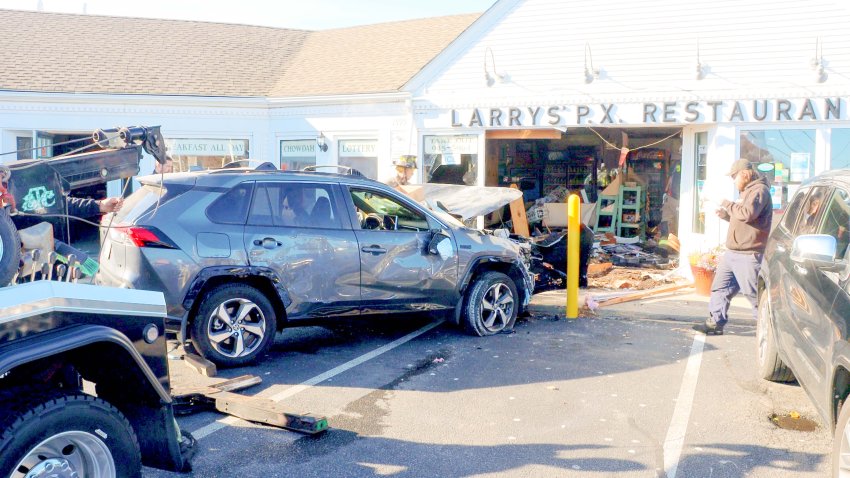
x: 200, y: 364
x: 238, y: 383
x: 544, y: 133
x: 518, y: 216
x: 642, y: 294
x: 263, y: 410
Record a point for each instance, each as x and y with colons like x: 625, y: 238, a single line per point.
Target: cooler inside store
x: 628, y: 179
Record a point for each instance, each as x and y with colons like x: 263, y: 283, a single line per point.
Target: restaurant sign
x: 667, y: 112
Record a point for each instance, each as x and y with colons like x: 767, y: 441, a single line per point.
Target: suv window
x: 294, y: 205
x: 378, y: 211
x: 811, y: 211
x: 232, y: 206
x: 793, y: 211
x: 836, y: 221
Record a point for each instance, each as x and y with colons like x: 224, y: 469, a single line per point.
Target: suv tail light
x: 141, y: 237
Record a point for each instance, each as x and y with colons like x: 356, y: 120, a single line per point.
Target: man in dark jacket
x: 749, y: 225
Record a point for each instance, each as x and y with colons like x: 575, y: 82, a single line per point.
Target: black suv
x: 804, y: 303
x: 240, y: 253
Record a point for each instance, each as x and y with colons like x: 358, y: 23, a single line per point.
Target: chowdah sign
x: 702, y: 111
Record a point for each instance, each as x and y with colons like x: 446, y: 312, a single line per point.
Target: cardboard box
x: 555, y: 214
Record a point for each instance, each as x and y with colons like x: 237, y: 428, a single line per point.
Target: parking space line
x: 675, y: 439
x: 217, y: 425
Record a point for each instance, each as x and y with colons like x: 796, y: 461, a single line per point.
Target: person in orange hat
x: 405, y: 168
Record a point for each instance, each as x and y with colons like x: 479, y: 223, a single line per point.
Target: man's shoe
x: 710, y: 327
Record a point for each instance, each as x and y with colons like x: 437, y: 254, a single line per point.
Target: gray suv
x: 241, y: 253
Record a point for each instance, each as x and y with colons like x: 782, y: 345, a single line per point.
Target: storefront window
x: 784, y: 156
x: 298, y: 154
x: 361, y: 155
x: 701, y: 155
x: 839, y: 148
x: 451, y: 159
x: 199, y: 154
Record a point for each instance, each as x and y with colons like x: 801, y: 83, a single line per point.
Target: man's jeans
x: 736, y: 272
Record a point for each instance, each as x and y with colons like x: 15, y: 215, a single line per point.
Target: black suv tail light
x: 141, y: 237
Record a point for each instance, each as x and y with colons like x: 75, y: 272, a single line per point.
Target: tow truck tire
x: 10, y: 248
x: 491, y: 304
x: 770, y: 366
x: 72, y: 434
x: 220, y: 339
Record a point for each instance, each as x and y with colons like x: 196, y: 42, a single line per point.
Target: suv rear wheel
x: 491, y: 304
x: 234, y: 325
x: 770, y: 366
x: 67, y: 435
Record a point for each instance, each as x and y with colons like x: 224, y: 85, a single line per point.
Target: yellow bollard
x: 573, y: 242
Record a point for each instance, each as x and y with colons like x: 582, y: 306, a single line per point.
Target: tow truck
x: 84, y: 381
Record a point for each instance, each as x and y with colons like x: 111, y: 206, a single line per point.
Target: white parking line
x: 208, y: 430
x: 682, y: 413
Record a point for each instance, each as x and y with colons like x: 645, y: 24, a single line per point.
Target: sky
x: 297, y: 14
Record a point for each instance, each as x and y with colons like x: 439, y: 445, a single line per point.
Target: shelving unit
x: 630, y: 209
x: 569, y: 171
x: 606, y: 215
x: 652, y: 166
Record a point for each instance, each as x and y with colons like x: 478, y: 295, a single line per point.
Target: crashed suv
x: 242, y: 253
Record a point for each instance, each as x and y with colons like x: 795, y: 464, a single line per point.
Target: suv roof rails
x: 344, y: 170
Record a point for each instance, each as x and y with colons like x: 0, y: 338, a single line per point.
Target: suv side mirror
x: 819, y: 249
x: 440, y: 244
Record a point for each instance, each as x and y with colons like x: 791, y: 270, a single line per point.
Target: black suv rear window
x: 232, y: 206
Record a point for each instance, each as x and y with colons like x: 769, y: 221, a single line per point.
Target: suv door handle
x: 268, y: 242
x: 374, y: 249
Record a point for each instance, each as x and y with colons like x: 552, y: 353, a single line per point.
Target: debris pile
x: 627, y: 278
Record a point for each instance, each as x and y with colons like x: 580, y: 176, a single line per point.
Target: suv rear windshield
x: 140, y: 201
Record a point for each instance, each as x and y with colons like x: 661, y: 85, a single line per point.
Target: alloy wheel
x: 236, y: 328
x: 497, y: 307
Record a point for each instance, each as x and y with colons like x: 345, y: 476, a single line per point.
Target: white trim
x: 460, y: 45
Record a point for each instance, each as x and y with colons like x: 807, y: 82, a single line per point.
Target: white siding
x: 648, y: 49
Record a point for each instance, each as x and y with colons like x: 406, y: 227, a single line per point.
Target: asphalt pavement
x: 630, y: 391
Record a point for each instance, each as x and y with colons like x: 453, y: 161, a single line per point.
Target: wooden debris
x: 642, y: 294
x: 200, y: 364
x: 599, y: 269
x: 518, y: 216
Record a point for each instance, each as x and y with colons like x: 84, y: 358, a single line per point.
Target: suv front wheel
x: 491, y: 304
x: 234, y: 325
x: 770, y: 366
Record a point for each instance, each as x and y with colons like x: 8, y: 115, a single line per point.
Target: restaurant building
x: 547, y: 94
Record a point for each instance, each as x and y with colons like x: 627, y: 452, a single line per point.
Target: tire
x: 770, y: 366
x: 74, y: 433
x: 221, y: 338
x: 10, y: 248
x: 480, y: 316
x: 841, y: 444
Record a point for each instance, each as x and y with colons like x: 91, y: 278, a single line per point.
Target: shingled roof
x: 67, y: 53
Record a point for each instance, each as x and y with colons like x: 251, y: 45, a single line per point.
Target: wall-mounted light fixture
x: 701, y: 69
x: 491, y: 78
x: 590, y: 73
x: 322, y: 142
x: 817, y: 62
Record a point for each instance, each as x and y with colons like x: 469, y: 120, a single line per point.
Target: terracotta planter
x: 702, y: 280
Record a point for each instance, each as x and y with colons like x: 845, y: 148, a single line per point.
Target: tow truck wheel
x: 491, y: 304
x: 67, y: 435
x: 10, y: 248
x: 234, y: 325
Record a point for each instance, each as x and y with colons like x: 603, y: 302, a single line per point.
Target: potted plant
x: 703, y: 265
